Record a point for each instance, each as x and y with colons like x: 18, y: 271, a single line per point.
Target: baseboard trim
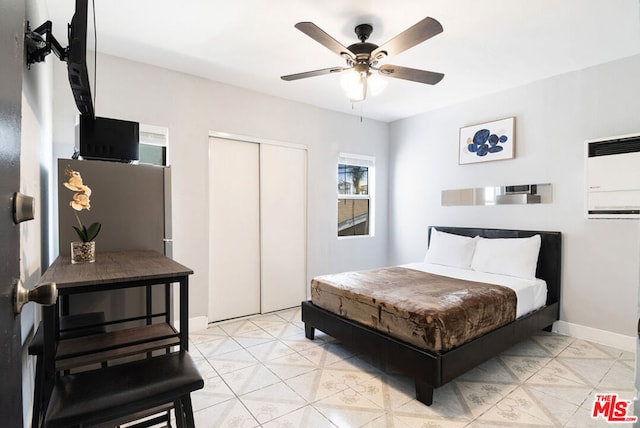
x: 603, y: 337
x: 195, y: 324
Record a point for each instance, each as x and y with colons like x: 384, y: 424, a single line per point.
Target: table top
x: 112, y: 268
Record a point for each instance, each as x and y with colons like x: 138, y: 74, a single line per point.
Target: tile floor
x: 262, y: 372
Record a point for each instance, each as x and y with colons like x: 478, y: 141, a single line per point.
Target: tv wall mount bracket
x: 40, y: 42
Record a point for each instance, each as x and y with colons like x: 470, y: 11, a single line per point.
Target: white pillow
x: 507, y: 256
x: 450, y: 250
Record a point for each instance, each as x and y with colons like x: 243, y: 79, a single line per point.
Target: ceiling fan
x: 362, y: 58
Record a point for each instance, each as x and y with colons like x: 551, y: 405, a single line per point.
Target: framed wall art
x: 487, y: 141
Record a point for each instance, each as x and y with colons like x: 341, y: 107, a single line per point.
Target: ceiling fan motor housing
x: 363, y: 50
x: 363, y: 31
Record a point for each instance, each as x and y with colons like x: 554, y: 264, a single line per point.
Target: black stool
x: 70, y: 326
x: 113, y: 393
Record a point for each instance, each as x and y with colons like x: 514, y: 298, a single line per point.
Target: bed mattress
x: 428, y: 310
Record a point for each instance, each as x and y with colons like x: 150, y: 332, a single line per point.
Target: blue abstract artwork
x: 487, y: 141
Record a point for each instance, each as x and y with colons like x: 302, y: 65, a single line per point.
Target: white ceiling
x: 486, y: 46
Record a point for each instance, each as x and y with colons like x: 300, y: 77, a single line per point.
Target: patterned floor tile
x: 319, y: 384
x: 556, y: 373
x: 628, y: 356
x: 480, y: 396
x: 523, y: 367
x: 327, y: 354
x: 238, y: 326
x: 262, y: 371
x: 269, y: 403
x: 430, y: 422
x: 348, y: 409
x: 228, y: 414
x: 270, y: 351
x: 284, y: 330
x: 215, y: 391
x: 289, y: 366
x: 307, y: 417
x: 552, y: 343
x: 583, y: 349
x: 196, y: 338
x: 218, y: 346
x: 253, y: 337
x: 301, y: 344
x: 575, y: 395
x: 290, y: 315
x: 619, y: 377
x: 232, y: 361
x: 447, y: 404
x: 204, y: 366
x: 592, y: 370
x: 518, y: 408
x: 385, y: 392
x: 267, y: 320
x: 387, y: 420
x: 249, y: 379
x: 557, y: 407
x: 529, y: 348
x: 491, y: 371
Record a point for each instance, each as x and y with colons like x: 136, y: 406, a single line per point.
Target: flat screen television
x: 96, y: 137
x: 77, y: 67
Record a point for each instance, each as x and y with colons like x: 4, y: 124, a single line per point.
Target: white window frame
x: 370, y: 163
x: 155, y: 136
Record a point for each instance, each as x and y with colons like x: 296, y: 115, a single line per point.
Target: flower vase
x: 83, y: 252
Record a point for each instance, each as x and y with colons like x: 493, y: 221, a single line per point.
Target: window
x: 153, y: 145
x: 355, y: 195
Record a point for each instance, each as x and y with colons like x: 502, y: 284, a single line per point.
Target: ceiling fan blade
x: 317, y: 34
x: 410, y: 37
x: 413, y: 74
x: 313, y: 73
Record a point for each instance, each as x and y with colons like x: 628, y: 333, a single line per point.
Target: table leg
x: 149, y: 298
x: 50, y: 333
x: 184, y: 313
x: 167, y: 302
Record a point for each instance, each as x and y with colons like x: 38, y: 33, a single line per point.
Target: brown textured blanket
x: 430, y: 311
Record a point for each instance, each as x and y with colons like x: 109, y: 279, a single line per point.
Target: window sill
x: 348, y: 237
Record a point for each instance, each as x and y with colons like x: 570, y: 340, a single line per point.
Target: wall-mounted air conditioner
x: 613, y: 177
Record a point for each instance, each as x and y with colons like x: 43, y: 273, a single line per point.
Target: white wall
x: 191, y: 107
x: 554, y: 117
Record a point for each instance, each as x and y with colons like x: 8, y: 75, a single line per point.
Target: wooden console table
x: 112, y: 271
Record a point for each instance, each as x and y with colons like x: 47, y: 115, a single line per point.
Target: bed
x: 431, y: 366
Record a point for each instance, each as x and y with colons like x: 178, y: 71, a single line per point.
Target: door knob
x: 45, y: 294
x: 24, y: 207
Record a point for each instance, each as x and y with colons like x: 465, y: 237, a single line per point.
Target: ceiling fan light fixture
x: 353, y: 84
x: 356, y: 85
x: 376, y: 83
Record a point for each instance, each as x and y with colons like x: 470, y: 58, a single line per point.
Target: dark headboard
x: 549, y: 259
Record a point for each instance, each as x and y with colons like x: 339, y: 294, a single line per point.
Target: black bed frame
x: 433, y: 369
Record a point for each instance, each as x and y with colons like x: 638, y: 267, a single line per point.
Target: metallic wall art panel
x: 498, y: 195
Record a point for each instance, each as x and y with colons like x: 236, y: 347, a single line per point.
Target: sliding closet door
x: 235, y: 229
x: 283, y: 172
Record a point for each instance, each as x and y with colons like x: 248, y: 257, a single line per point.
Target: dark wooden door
x: 11, y: 68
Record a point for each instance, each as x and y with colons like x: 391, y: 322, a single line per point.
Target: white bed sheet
x: 531, y: 294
